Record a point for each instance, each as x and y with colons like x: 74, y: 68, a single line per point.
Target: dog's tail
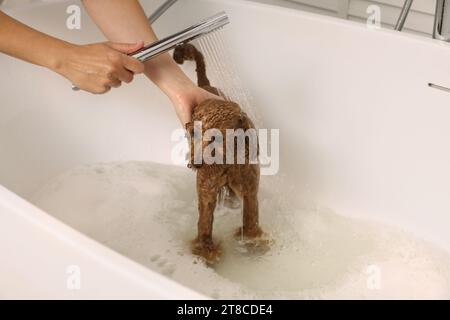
x: 187, y: 51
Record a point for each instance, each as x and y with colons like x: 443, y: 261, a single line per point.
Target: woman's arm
x: 94, y: 68
x: 125, y: 20
x: 20, y: 41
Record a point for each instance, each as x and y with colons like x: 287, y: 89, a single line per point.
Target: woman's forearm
x: 125, y: 21
x: 121, y: 21
x: 25, y: 43
x: 95, y: 68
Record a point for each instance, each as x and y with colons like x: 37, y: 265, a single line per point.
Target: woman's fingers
x: 126, y: 48
x: 114, y: 83
x: 125, y: 75
x: 128, y: 62
x: 99, y: 67
x: 98, y: 85
x: 133, y: 64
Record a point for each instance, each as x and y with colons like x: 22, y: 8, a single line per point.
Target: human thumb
x: 126, y: 48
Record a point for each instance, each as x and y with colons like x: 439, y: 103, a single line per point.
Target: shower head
x: 198, y: 30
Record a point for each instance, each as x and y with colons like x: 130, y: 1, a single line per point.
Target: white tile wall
x: 420, y: 19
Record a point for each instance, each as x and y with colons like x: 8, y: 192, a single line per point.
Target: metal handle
x: 160, y: 11
x: 441, y: 29
x: 403, y: 15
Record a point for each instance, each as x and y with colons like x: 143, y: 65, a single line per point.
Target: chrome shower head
x: 200, y: 29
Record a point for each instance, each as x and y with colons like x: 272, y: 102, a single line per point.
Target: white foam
x: 148, y: 212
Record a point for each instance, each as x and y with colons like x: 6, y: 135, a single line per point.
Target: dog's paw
x: 254, y: 241
x: 209, y: 251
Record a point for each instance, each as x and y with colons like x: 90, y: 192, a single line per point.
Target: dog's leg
x: 254, y: 239
x: 204, y: 245
x: 207, y: 204
x: 251, y: 227
x: 250, y: 233
x: 245, y: 182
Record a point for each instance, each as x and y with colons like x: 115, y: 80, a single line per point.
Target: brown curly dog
x: 242, y: 178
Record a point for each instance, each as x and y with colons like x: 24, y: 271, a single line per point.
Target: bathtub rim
x: 100, y: 255
x: 336, y: 21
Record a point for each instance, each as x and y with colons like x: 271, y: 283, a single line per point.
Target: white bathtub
x: 361, y: 133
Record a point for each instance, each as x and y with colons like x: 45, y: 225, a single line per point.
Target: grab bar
x: 441, y: 29
x: 403, y: 15
x: 160, y: 11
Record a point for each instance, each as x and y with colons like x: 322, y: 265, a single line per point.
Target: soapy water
x: 148, y: 212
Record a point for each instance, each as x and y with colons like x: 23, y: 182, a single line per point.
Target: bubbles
x: 148, y: 212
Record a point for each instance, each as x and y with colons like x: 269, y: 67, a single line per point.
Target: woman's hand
x: 186, y: 99
x: 97, y: 68
x: 183, y: 93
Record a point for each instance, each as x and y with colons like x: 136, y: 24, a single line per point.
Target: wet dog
x: 242, y: 178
